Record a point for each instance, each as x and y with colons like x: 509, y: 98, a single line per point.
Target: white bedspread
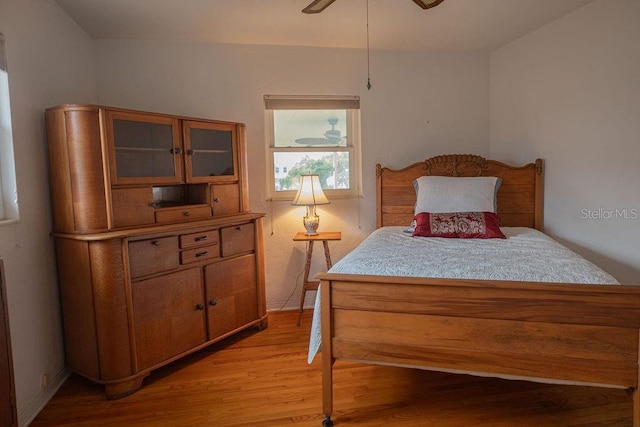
x: 526, y: 255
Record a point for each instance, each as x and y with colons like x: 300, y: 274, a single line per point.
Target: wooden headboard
x: 520, y: 197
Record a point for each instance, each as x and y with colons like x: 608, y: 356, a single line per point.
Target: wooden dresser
x: 158, y: 253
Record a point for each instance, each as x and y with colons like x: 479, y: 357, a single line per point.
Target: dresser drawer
x: 204, y: 238
x: 153, y: 256
x: 200, y: 254
x: 183, y: 213
x: 237, y: 239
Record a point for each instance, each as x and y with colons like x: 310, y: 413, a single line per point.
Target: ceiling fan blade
x: 427, y: 4
x: 317, y: 6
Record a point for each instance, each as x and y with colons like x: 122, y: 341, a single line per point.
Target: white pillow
x: 445, y: 194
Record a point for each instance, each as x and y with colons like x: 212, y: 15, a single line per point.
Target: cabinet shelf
x: 143, y: 149
x: 212, y: 151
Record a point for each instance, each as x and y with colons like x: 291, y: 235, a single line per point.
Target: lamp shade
x: 310, y: 192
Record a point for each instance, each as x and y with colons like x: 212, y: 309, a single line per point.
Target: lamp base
x: 311, y: 221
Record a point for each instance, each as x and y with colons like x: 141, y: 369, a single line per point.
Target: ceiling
x: 455, y: 25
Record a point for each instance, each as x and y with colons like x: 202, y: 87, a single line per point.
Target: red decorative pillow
x: 477, y: 225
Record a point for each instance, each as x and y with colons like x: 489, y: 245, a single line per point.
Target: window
x: 8, y: 192
x: 313, y: 134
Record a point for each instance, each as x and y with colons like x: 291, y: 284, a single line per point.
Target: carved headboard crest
x: 456, y: 165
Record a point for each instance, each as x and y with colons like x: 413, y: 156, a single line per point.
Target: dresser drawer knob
x: 199, y: 254
x: 216, y: 200
x: 239, y: 228
x: 156, y: 243
x: 200, y: 307
x: 186, y: 213
x: 213, y: 302
x: 201, y: 238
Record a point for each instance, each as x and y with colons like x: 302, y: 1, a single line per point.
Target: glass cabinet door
x: 210, y: 152
x: 145, y: 149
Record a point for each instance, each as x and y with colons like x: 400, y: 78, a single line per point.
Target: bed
x: 498, y: 325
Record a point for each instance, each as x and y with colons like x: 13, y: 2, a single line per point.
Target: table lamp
x: 310, y: 194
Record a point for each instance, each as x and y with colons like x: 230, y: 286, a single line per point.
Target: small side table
x: 324, y: 237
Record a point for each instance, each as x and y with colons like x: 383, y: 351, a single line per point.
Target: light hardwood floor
x: 263, y: 379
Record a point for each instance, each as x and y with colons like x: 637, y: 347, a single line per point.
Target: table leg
x: 327, y: 255
x: 305, y: 279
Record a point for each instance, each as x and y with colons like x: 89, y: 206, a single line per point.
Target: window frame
x: 354, y: 141
x: 9, y: 212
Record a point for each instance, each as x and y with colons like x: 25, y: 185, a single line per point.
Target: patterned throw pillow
x: 477, y: 225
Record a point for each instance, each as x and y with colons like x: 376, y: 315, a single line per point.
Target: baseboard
x: 28, y: 414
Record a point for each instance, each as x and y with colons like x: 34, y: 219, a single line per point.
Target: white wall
x: 420, y: 105
x: 570, y: 93
x: 50, y: 61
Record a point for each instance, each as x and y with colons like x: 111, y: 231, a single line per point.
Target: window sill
x: 7, y: 222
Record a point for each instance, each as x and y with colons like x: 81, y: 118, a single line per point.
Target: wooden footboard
x: 568, y: 333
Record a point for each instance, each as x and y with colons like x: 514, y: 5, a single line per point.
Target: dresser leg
x: 123, y: 389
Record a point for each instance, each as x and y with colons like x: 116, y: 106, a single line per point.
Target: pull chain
x: 368, y: 66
